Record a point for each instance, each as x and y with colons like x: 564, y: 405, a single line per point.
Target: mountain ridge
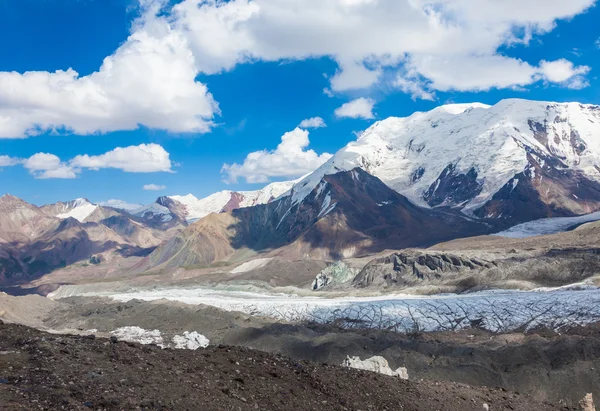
x: 430, y: 157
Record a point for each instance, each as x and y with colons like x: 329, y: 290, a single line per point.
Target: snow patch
x: 375, y: 364
x: 251, y: 265
x: 327, y: 207
x: 138, y: 335
x: 152, y: 210
x: 190, y: 341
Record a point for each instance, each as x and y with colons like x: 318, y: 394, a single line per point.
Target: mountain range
x: 456, y: 171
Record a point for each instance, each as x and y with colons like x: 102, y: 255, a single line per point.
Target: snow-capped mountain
x: 79, y: 209
x: 517, y: 160
x: 348, y: 214
x: 223, y: 201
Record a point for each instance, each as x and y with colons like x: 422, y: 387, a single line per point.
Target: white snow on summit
x: 410, y: 153
x: 79, y: 209
x: 216, y: 203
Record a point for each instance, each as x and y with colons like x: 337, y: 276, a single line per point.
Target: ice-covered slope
x: 230, y: 200
x: 79, y: 209
x: 152, y: 210
x: 465, y: 155
x: 547, y: 226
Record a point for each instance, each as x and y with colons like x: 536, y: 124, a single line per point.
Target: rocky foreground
x: 53, y: 372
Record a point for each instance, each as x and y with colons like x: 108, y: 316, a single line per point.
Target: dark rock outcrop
x: 414, y: 267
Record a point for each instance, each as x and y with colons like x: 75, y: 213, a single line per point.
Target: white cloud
x: 314, y: 122
x: 6, y: 161
x: 290, y: 159
x: 359, y: 108
x: 413, y: 85
x: 565, y: 72
x: 154, y: 187
x: 149, y: 80
x: 145, y: 158
x: 366, y: 37
x: 46, y: 166
x: 473, y: 73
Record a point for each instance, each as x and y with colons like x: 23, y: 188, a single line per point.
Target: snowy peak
x: 463, y: 155
x: 224, y: 201
x: 80, y: 209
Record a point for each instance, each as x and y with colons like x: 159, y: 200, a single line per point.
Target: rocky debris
x: 375, y: 364
x: 337, y: 273
x: 51, y: 372
x: 413, y: 267
x: 587, y: 403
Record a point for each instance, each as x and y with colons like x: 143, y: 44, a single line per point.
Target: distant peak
x: 78, y: 202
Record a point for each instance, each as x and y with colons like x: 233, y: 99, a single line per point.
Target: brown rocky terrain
x: 559, y: 368
x: 35, y: 241
x: 48, y: 372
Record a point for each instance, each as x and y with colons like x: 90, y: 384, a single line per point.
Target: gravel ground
x: 54, y: 372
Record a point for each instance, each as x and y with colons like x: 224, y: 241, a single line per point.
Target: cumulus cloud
x: 145, y: 158
x: 291, y: 158
x: 366, y: 37
x: 149, y: 80
x: 314, y: 122
x: 563, y: 71
x: 154, y: 187
x: 359, y: 108
x: 46, y: 166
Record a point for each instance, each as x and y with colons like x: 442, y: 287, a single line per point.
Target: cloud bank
x: 426, y: 46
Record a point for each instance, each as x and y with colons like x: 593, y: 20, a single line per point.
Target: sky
x: 135, y: 99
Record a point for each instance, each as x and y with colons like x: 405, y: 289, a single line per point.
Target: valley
x: 461, y: 243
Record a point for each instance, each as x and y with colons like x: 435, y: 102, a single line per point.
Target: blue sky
x: 265, y: 77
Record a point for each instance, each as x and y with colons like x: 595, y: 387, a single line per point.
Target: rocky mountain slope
x: 36, y: 240
x: 347, y: 214
x: 516, y: 161
x: 490, y: 262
